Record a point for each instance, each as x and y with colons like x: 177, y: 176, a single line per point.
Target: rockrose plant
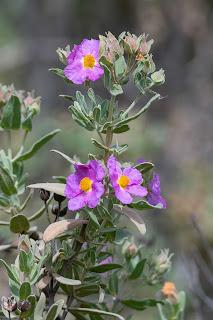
x: 87, y: 264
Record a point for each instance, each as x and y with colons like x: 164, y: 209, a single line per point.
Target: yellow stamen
x: 123, y: 181
x: 88, y: 61
x: 85, y: 184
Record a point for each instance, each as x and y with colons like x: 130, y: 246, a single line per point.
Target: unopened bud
x: 132, y: 249
x: 44, y: 194
x: 58, y: 197
x: 131, y: 43
x: 55, y: 210
x: 158, y: 77
x: 32, y: 103
x: 9, y: 304
x: 24, y: 305
x: 63, y: 54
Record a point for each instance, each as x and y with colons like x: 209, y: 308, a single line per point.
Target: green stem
x: 21, y: 148
x: 9, y: 144
x: 41, y: 211
x: 100, y: 228
x: 131, y: 106
x: 100, y: 136
x: 126, y: 71
x: 109, y: 130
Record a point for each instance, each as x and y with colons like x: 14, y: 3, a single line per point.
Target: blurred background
x: 175, y: 133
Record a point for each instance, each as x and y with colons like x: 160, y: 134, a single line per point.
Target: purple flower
x: 154, y: 189
x: 125, y: 182
x: 83, y: 62
x: 85, y: 187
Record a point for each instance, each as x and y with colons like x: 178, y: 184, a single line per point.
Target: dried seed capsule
x: 63, y: 212
x: 59, y: 198
x: 24, y: 305
x: 10, y: 304
x: 44, y: 194
x: 54, y: 209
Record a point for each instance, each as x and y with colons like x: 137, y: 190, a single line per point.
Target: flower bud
x: 24, y: 243
x: 24, y: 305
x: 109, y: 49
x: 58, y: 197
x: 44, y: 194
x: 32, y: 103
x: 158, y: 77
x: 3, y: 91
x: 63, y: 54
x: 131, y: 43
x: 163, y: 262
x: 129, y: 250
x: 10, y: 304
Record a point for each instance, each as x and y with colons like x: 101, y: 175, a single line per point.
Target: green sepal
x: 11, y: 118
x: 37, y: 145
x: 120, y: 67
x: 27, y: 123
x: 115, y: 89
x: 139, y: 81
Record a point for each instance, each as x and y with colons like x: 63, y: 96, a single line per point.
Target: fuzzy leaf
x: 141, y: 304
x: 40, y: 307
x: 52, y: 187
x: 6, y: 182
x: 96, y: 312
x: 59, y: 227
x: 11, y: 118
x: 37, y: 145
x: 67, y: 281
x: 19, y: 223
x: 105, y: 267
x: 133, y: 216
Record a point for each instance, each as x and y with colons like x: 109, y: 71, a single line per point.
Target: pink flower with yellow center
x: 125, y: 182
x: 83, y: 62
x: 84, y: 187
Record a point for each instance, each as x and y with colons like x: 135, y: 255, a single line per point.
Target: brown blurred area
x: 175, y: 133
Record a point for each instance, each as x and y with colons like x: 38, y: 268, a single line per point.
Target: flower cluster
x: 85, y: 186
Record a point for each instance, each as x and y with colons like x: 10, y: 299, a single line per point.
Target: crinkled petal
x: 72, y: 188
x: 82, y: 170
x: 154, y: 185
x: 123, y: 195
x: 95, y: 73
x: 78, y: 202
x: 137, y: 190
x: 114, y: 170
x: 90, y: 47
x: 96, y: 171
x: 154, y: 200
x: 75, y: 72
x: 93, y: 196
x: 135, y: 177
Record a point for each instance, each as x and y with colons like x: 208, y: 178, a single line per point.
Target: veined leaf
x: 57, y: 188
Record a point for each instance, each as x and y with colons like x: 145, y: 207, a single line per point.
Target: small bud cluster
x: 27, y: 100
x: 10, y: 304
x: 159, y: 265
x: 63, y: 54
